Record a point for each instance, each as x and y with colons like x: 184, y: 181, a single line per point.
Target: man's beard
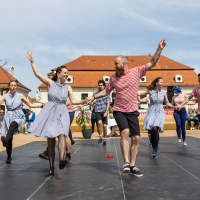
x: 119, y: 72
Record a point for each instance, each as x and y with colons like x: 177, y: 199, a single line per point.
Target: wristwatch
x: 94, y: 96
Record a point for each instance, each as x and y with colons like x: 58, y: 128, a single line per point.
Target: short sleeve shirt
x: 126, y: 87
x: 101, y: 103
x: 178, y: 100
x: 196, y: 93
x: 70, y: 107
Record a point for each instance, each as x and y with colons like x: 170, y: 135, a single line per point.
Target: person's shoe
x: 4, y: 141
x: 26, y: 133
x: 135, y: 171
x: 161, y: 131
x: 62, y: 164
x: 191, y: 128
x: 155, y: 154
x: 185, y: 143
x: 92, y: 135
x: 73, y: 142
x: 126, y: 168
x: 179, y: 140
x: 104, y: 143
x: 44, y: 155
x: 48, y: 174
x: 68, y: 159
x: 8, y: 161
x: 150, y: 144
x: 100, y: 141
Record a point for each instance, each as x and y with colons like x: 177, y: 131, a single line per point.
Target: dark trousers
x: 194, y: 120
x: 155, y: 138
x: 93, y: 121
x: 180, y: 118
x: 71, y: 116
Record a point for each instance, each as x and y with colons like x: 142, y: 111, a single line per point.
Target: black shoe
x: 100, y: 141
x: 62, y: 164
x: 104, y: 143
x: 73, y: 142
x: 135, y: 171
x: 48, y: 174
x: 8, y: 161
x: 4, y: 141
x: 126, y: 168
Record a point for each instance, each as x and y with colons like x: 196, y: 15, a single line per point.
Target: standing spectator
x: 179, y: 115
x: 30, y: 117
x: 93, y: 118
x: 101, y: 111
x: 113, y: 97
x: 190, y: 117
x: 1, y: 118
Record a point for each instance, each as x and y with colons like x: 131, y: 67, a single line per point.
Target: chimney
x: 12, y: 71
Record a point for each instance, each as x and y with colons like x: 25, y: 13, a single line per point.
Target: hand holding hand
x: 89, y: 100
x: 29, y: 55
x: 162, y: 43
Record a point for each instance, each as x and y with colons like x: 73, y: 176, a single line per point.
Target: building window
x: 143, y: 79
x: 83, y: 96
x: 178, y: 78
x: 106, y: 78
x: 70, y: 79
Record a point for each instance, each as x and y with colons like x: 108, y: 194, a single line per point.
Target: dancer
x: 126, y: 83
x: 53, y: 120
x: 196, y: 93
x: 101, y: 112
x: 155, y: 117
x: 14, y: 118
x: 179, y: 115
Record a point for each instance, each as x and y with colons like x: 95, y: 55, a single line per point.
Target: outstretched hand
x: 29, y: 55
x: 162, y: 43
x: 89, y: 100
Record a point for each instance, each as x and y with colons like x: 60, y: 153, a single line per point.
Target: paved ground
x: 175, y: 175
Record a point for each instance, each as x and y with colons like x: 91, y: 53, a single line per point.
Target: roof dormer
x: 70, y: 79
x: 143, y: 79
x: 106, y: 78
x: 178, y: 78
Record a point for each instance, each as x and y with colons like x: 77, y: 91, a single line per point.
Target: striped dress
x: 53, y: 119
x: 155, y: 115
x: 14, y: 112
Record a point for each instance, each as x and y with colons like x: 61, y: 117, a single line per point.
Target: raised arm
x: 72, y: 98
x: 42, y: 102
x: 42, y: 78
x: 143, y: 100
x: 24, y: 99
x: 156, y: 56
x: 167, y: 101
x: 2, y: 99
x: 103, y: 93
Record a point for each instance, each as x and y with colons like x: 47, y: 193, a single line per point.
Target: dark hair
x: 102, y: 81
x: 153, y: 84
x: 59, y: 69
x: 2, y: 89
x: 199, y: 75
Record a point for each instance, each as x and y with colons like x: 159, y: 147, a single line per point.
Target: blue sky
x: 62, y: 30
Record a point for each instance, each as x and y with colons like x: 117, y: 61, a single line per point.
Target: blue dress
x: 14, y: 112
x: 155, y: 115
x: 53, y: 120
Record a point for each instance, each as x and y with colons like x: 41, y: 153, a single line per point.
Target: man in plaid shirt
x: 101, y: 110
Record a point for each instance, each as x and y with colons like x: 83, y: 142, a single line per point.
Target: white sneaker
x: 179, y: 140
x: 184, y: 144
x: 26, y: 133
x: 191, y: 128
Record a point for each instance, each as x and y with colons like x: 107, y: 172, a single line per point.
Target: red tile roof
x: 6, y: 77
x: 102, y: 63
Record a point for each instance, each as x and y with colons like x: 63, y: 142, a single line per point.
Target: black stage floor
x: 175, y: 175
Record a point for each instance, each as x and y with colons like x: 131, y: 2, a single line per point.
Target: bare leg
x: 68, y: 146
x: 51, y: 152
x: 99, y: 127
x: 124, y: 143
x: 104, y: 130
x: 61, y: 146
x: 134, y: 149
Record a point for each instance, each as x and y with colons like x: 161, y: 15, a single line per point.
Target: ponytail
x: 6, y: 89
x: 59, y: 69
x: 153, y: 84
